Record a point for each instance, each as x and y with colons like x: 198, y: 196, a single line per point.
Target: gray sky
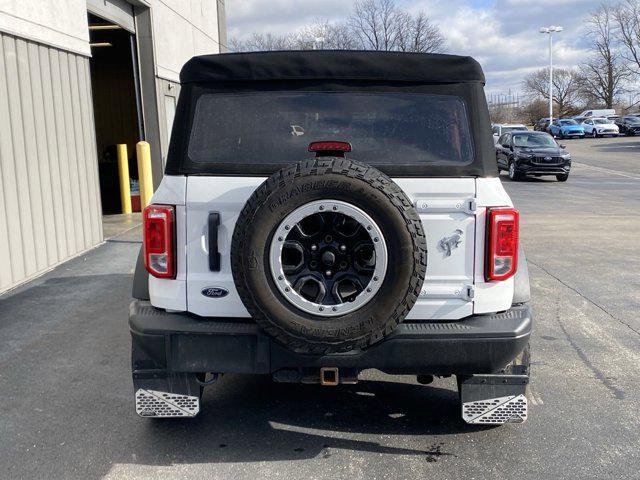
x: 501, y: 34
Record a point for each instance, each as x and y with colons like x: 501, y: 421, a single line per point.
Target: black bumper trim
x: 555, y: 171
x: 185, y: 343
x: 534, y: 169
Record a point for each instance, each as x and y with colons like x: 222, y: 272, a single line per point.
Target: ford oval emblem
x: 215, y: 292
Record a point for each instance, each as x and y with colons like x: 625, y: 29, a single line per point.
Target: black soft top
x: 332, y: 65
x: 339, y: 71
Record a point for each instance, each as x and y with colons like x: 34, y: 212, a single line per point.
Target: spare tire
x: 328, y: 255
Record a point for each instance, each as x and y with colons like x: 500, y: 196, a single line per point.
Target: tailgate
x: 446, y: 207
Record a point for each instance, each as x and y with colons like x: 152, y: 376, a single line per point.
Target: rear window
x: 383, y: 128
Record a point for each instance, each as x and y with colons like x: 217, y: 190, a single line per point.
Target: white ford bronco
x: 327, y: 212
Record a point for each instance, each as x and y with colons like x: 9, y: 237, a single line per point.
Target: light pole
x: 550, y: 31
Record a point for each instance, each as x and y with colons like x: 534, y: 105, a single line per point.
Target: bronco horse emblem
x: 449, y: 243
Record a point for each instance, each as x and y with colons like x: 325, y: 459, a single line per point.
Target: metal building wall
x: 49, y: 191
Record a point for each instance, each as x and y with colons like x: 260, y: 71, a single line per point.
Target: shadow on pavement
x: 249, y: 419
x: 69, y: 411
x: 626, y: 146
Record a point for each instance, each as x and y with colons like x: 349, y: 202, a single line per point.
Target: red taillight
x: 502, y: 243
x: 329, y: 147
x: 158, y: 239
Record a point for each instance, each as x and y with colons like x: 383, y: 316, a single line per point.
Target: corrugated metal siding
x: 49, y: 190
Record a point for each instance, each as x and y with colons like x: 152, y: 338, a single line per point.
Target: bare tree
x: 263, y: 42
x: 534, y: 110
x: 566, y: 88
x: 418, y: 34
x: 382, y: 25
x: 340, y: 37
x: 373, y: 25
x: 627, y: 21
x: 602, y: 77
x: 326, y: 35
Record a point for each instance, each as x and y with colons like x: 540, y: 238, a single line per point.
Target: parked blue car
x: 566, y: 128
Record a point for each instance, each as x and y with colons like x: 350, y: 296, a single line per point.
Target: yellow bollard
x: 144, y: 173
x: 123, y: 173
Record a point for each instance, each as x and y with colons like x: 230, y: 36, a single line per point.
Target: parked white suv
x: 327, y: 212
x: 600, y: 127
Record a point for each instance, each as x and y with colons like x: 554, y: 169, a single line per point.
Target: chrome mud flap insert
x: 496, y: 398
x: 494, y: 411
x: 159, y: 394
x: 153, y: 403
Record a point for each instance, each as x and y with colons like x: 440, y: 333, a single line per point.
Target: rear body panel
x: 451, y: 209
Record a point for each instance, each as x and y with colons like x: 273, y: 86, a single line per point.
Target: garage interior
x: 116, y: 106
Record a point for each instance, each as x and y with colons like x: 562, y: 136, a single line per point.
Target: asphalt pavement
x: 66, y: 394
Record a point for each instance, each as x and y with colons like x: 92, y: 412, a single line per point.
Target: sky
x: 501, y: 34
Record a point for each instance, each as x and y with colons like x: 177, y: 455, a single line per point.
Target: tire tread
x: 356, y: 170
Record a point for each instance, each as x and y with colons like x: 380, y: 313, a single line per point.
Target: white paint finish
x: 491, y: 193
x: 196, y: 27
x: 441, y: 204
x: 171, y: 293
x: 493, y: 296
x: 440, y: 309
x: 58, y: 23
x: 489, y: 296
x: 168, y: 294
x: 444, y: 291
x: 226, y: 195
x: 48, y: 166
x: 171, y: 191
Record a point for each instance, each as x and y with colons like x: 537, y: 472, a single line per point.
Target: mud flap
x: 174, y: 395
x: 494, y: 399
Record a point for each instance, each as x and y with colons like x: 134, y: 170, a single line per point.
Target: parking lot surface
x: 66, y: 393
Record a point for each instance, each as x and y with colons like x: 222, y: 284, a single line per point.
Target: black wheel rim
x: 329, y: 261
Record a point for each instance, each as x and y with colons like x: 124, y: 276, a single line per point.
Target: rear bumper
x: 167, y: 343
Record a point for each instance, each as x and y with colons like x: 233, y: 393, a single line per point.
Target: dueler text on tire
x: 328, y: 255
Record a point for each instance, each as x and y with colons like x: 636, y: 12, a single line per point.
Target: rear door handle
x: 214, y: 254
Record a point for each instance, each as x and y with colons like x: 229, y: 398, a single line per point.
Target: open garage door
x: 116, y: 98
x: 117, y: 12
